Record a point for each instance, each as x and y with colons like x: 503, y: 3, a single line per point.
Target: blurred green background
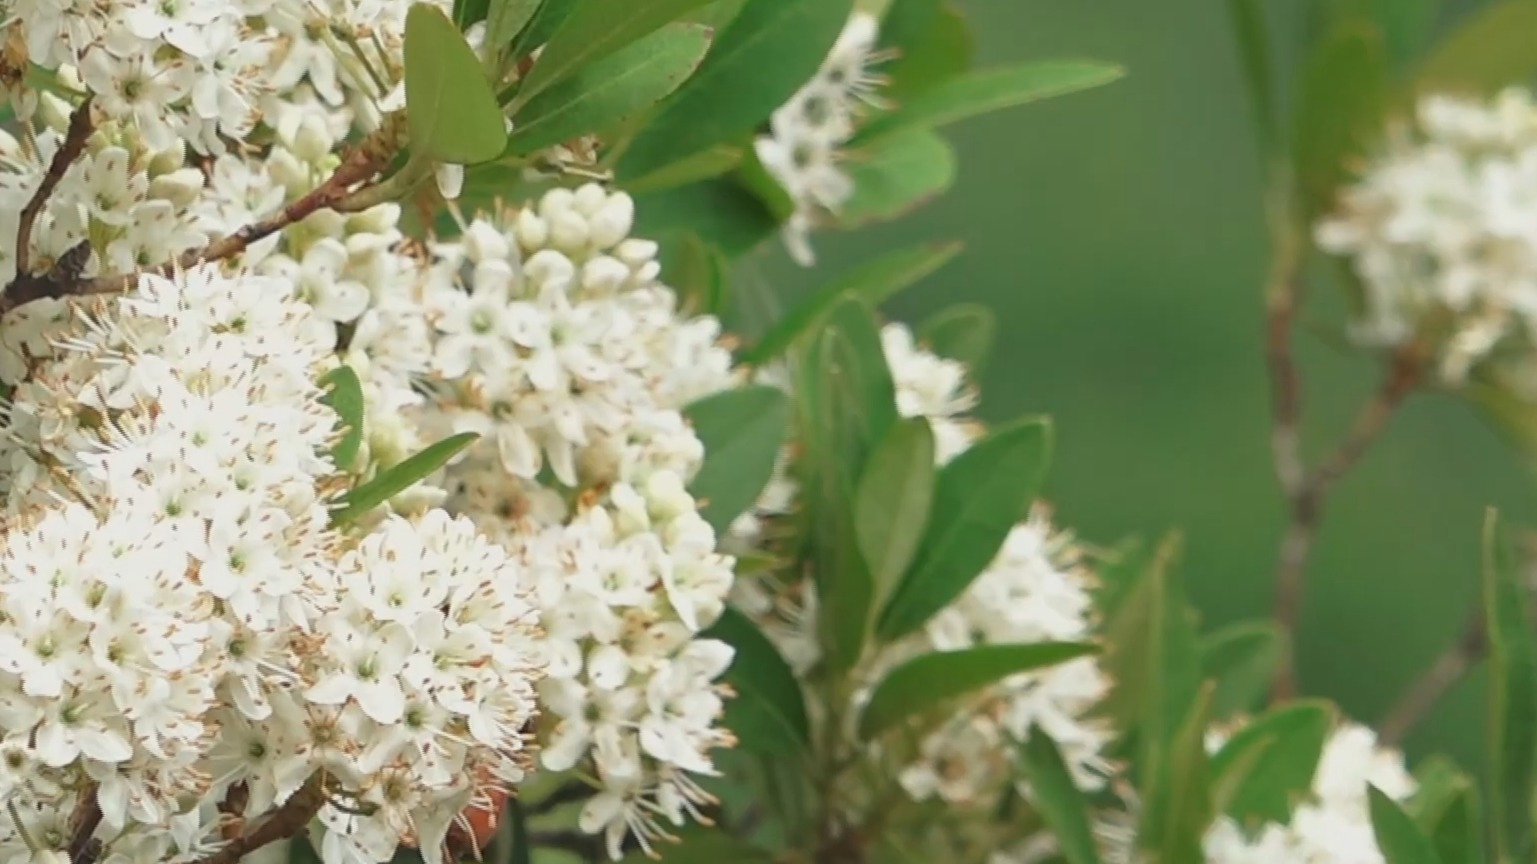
x: 1118, y: 236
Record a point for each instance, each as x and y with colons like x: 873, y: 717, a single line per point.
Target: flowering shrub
x: 381, y: 482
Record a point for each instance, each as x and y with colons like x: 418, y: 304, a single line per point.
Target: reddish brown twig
x: 1429, y: 688
x: 81, y: 125
x: 280, y: 824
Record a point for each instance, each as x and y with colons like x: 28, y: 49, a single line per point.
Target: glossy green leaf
x: 1241, y: 658
x: 611, y: 90
x: 932, y: 44
x: 920, y: 685
x: 1153, y: 655
x: 1340, y: 103
x: 505, y: 19
x: 989, y: 90
x: 718, y: 210
x: 717, y: 14
x: 768, y: 714
x: 593, y: 30
x: 704, y: 165
x: 891, y: 505
x: 1252, y: 33
x: 1178, y: 790
x: 344, y: 395
x: 874, y: 282
x: 1268, y: 765
x: 548, y: 19
x: 451, y: 110
x: 1489, y: 50
x: 1058, y: 799
x: 468, y: 12
x: 895, y: 175
x: 393, y: 481
x: 848, y: 404
x: 1512, y: 699
x: 964, y: 332
x: 1400, y: 840
x: 978, y: 498
x: 742, y: 430
x: 768, y: 51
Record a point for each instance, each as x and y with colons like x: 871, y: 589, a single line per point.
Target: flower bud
x: 613, y: 222
x: 569, y: 231
x: 532, y: 231
x: 378, y: 219
x: 590, y: 198
x: 180, y: 187
x: 312, y: 141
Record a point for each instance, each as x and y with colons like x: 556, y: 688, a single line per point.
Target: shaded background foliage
x: 1119, y: 238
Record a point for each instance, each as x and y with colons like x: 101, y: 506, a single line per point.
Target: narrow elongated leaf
x: 768, y: 51
x: 1340, y: 102
x: 521, y: 843
x: 1177, y: 790
x: 873, y: 282
x: 990, y: 90
x: 895, y: 175
x: 594, y: 30
x: 1446, y: 808
x: 450, y: 107
x: 611, y: 90
x: 1512, y: 699
x: 1488, y: 51
x: 1406, y: 24
x: 964, y: 332
x: 469, y: 12
x: 923, y: 683
x: 1058, y: 799
x: 1252, y: 32
x: 933, y: 45
x: 398, y: 479
x: 1241, y: 658
x: 978, y: 497
x: 1400, y: 840
x: 848, y: 404
x: 742, y: 431
x: 892, y: 503
x: 768, y: 714
x: 344, y: 395
x: 505, y: 19
x: 1268, y: 765
x: 547, y: 19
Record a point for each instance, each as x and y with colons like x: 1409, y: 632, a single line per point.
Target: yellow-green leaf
x: 593, y: 30
x: 451, y: 110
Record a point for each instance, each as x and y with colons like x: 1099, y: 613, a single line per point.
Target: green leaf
x: 963, y: 333
x: 521, y: 846
x: 1120, y: 571
x: 933, y: 45
x: 505, y: 19
x: 551, y: 15
x: 891, y: 506
x: 1178, y: 790
x: 1487, y: 51
x: 978, y: 498
x: 594, y: 30
x: 848, y: 403
x: 719, y: 211
x: 988, y: 90
x: 767, y: 52
x: 1253, y: 36
x: 1268, y: 765
x: 873, y: 282
x: 895, y: 175
x: 1446, y: 808
x: 1406, y: 25
x: 698, y: 272
x: 611, y: 90
x: 1153, y: 656
x: 923, y: 683
x: 703, y: 165
x: 768, y: 714
x: 742, y: 431
x: 1400, y: 840
x: 468, y: 12
x: 344, y: 395
x: 1341, y: 99
x: 389, y: 483
x: 1512, y: 698
x: 1241, y: 658
x: 450, y: 107
x: 1058, y: 799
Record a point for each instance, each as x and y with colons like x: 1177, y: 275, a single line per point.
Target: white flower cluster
x: 803, y: 151
x: 1443, y: 222
x: 181, y: 625
x: 555, y: 341
x: 1334, y: 825
x: 1035, y: 590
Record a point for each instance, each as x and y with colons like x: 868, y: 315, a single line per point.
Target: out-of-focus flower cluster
x: 803, y: 151
x: 1441, y: 229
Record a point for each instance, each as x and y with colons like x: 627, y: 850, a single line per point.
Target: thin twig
x: 1429, y: 688
x: 280, y: 824
x: 1305, y: 504
x: 84, y: 848
x: 80, y: 127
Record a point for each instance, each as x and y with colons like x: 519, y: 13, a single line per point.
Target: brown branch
x: 80, y: 127
x: 84, y: 848
x: 1429, y: 688
x: 1306, y: 499
x: 280, y: 824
